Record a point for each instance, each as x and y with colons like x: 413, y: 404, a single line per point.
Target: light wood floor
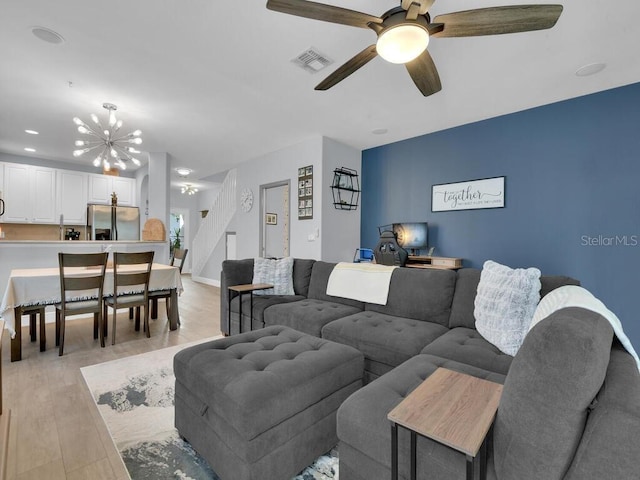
x: 56, y: 430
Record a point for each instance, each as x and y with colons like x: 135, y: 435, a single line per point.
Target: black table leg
x: 413, y: 455
x: 240, y: 313
x: 394, y: 451
x: 251, y: 311
x: 229, y: 312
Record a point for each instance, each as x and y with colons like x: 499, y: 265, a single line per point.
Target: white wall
x: 340, y: 228
x: 335, y: 233
x: 275, y: 167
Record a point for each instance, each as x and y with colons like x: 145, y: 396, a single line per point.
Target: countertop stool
x: 262, y: 404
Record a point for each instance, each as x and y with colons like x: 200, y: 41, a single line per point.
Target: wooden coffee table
x: 454, y: 409
x: 241, y: 290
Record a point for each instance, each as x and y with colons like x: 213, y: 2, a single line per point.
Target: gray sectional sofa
x: 571, y: 402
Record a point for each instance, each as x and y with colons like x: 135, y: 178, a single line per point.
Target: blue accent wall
x: 572, y: 193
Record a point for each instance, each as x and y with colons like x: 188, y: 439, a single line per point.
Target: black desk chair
x: 388, y: 251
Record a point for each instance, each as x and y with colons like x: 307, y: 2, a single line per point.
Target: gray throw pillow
x: 505, y: 303
x: 278, y: 273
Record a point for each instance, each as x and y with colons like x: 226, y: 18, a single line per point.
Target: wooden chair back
x: 126, y: 278
x: 181, y: 255
x: 95, y: 265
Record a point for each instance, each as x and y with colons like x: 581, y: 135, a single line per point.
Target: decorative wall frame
x: 305, y: 193
x: 271, y: 218
x: 469, y: 195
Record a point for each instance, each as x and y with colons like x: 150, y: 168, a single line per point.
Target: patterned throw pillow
x: 278, y: 273
x: 505, y: 303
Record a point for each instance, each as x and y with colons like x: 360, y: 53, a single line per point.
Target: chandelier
x: 189, y: 189
x: 109, y: 145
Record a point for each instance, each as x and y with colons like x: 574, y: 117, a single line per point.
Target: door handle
x: 1, y: 207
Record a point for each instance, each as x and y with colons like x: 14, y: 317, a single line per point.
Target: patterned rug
x: 135, y: 398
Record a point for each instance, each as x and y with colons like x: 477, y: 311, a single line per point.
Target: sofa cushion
x: 308, y: 315
x: 260, y: 304
x: 278, y: 273
x: 505, y: 303
x: 550, y: 386
x: 466, y: 345
x: 383, y: 338
x: 363, y: 424
x: 421, y: 294
x: 318, y: 285
x: 467, y: 285
x: 302, y: 275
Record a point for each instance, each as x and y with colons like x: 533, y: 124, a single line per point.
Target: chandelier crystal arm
x: 114, y: 149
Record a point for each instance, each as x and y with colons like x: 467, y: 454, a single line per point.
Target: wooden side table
x: 454, y: 409
x: 241, y: 290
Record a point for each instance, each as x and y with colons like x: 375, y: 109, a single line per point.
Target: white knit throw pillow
x: 278, y: 273
x: 505, y: 303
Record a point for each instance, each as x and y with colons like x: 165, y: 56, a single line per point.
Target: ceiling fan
x: 404, y: 31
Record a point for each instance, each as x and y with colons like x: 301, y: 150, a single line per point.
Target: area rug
x: 135, y: 398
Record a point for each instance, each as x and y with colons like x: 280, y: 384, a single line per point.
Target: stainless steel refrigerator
x: 105, y: 222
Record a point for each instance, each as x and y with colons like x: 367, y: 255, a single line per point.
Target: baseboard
x: 206, y: 281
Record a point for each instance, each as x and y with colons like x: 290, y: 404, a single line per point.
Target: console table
x: 454, y: 409
x: 441, y: 263
x: 241, y: 290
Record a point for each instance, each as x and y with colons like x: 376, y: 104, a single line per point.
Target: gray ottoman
x: 262, y: 404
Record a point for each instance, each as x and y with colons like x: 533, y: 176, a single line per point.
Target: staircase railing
x: 213, y: 226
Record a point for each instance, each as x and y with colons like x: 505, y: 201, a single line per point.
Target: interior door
x: 275, y: 220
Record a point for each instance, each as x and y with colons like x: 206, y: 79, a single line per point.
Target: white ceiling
x: 211, y: 82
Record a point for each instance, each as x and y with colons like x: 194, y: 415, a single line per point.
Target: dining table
x: 41, y: 286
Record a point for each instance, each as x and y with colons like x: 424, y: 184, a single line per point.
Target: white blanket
x: 574, y: 296
x: 365, y: 282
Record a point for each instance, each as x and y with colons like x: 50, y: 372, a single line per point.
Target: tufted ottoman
x: 262, y: 404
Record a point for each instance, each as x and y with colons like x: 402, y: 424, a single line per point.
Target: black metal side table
x: 241, y: 290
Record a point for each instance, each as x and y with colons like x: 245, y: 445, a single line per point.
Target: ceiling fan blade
x: 320, y: 11
x: 424, y: 74
x: 498, y: 20
x: 359, y: 61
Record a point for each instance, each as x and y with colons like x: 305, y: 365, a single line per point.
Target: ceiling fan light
x: 402, y: 43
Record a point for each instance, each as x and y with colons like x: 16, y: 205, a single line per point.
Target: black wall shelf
x: 345, y: 189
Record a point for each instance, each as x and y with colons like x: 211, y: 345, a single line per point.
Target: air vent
x: 312, y: 60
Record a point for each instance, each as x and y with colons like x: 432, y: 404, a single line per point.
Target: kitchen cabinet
x: 102, y: 186
x: 72, y: 194
x: 29, y: 194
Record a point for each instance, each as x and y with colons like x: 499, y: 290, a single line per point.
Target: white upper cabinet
x: 102, y: 186
x: 125, y: 189
x: 29, y: 194
x: 72, y: 194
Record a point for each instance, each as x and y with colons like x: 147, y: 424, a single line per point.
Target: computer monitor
x: 412, y: 235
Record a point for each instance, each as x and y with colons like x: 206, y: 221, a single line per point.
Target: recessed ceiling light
x: 379, y: 131
x: 32, y: 132
x: 590, y: 69
x: 29, y: 149
x: 183, y: 172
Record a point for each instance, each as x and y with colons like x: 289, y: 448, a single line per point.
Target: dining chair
x: 35, y: 311
x: 179, y: 255
x: 81, y: 291
x: 130, y: 286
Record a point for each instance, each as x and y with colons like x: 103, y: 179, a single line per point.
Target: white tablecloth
x: 41, y: 286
